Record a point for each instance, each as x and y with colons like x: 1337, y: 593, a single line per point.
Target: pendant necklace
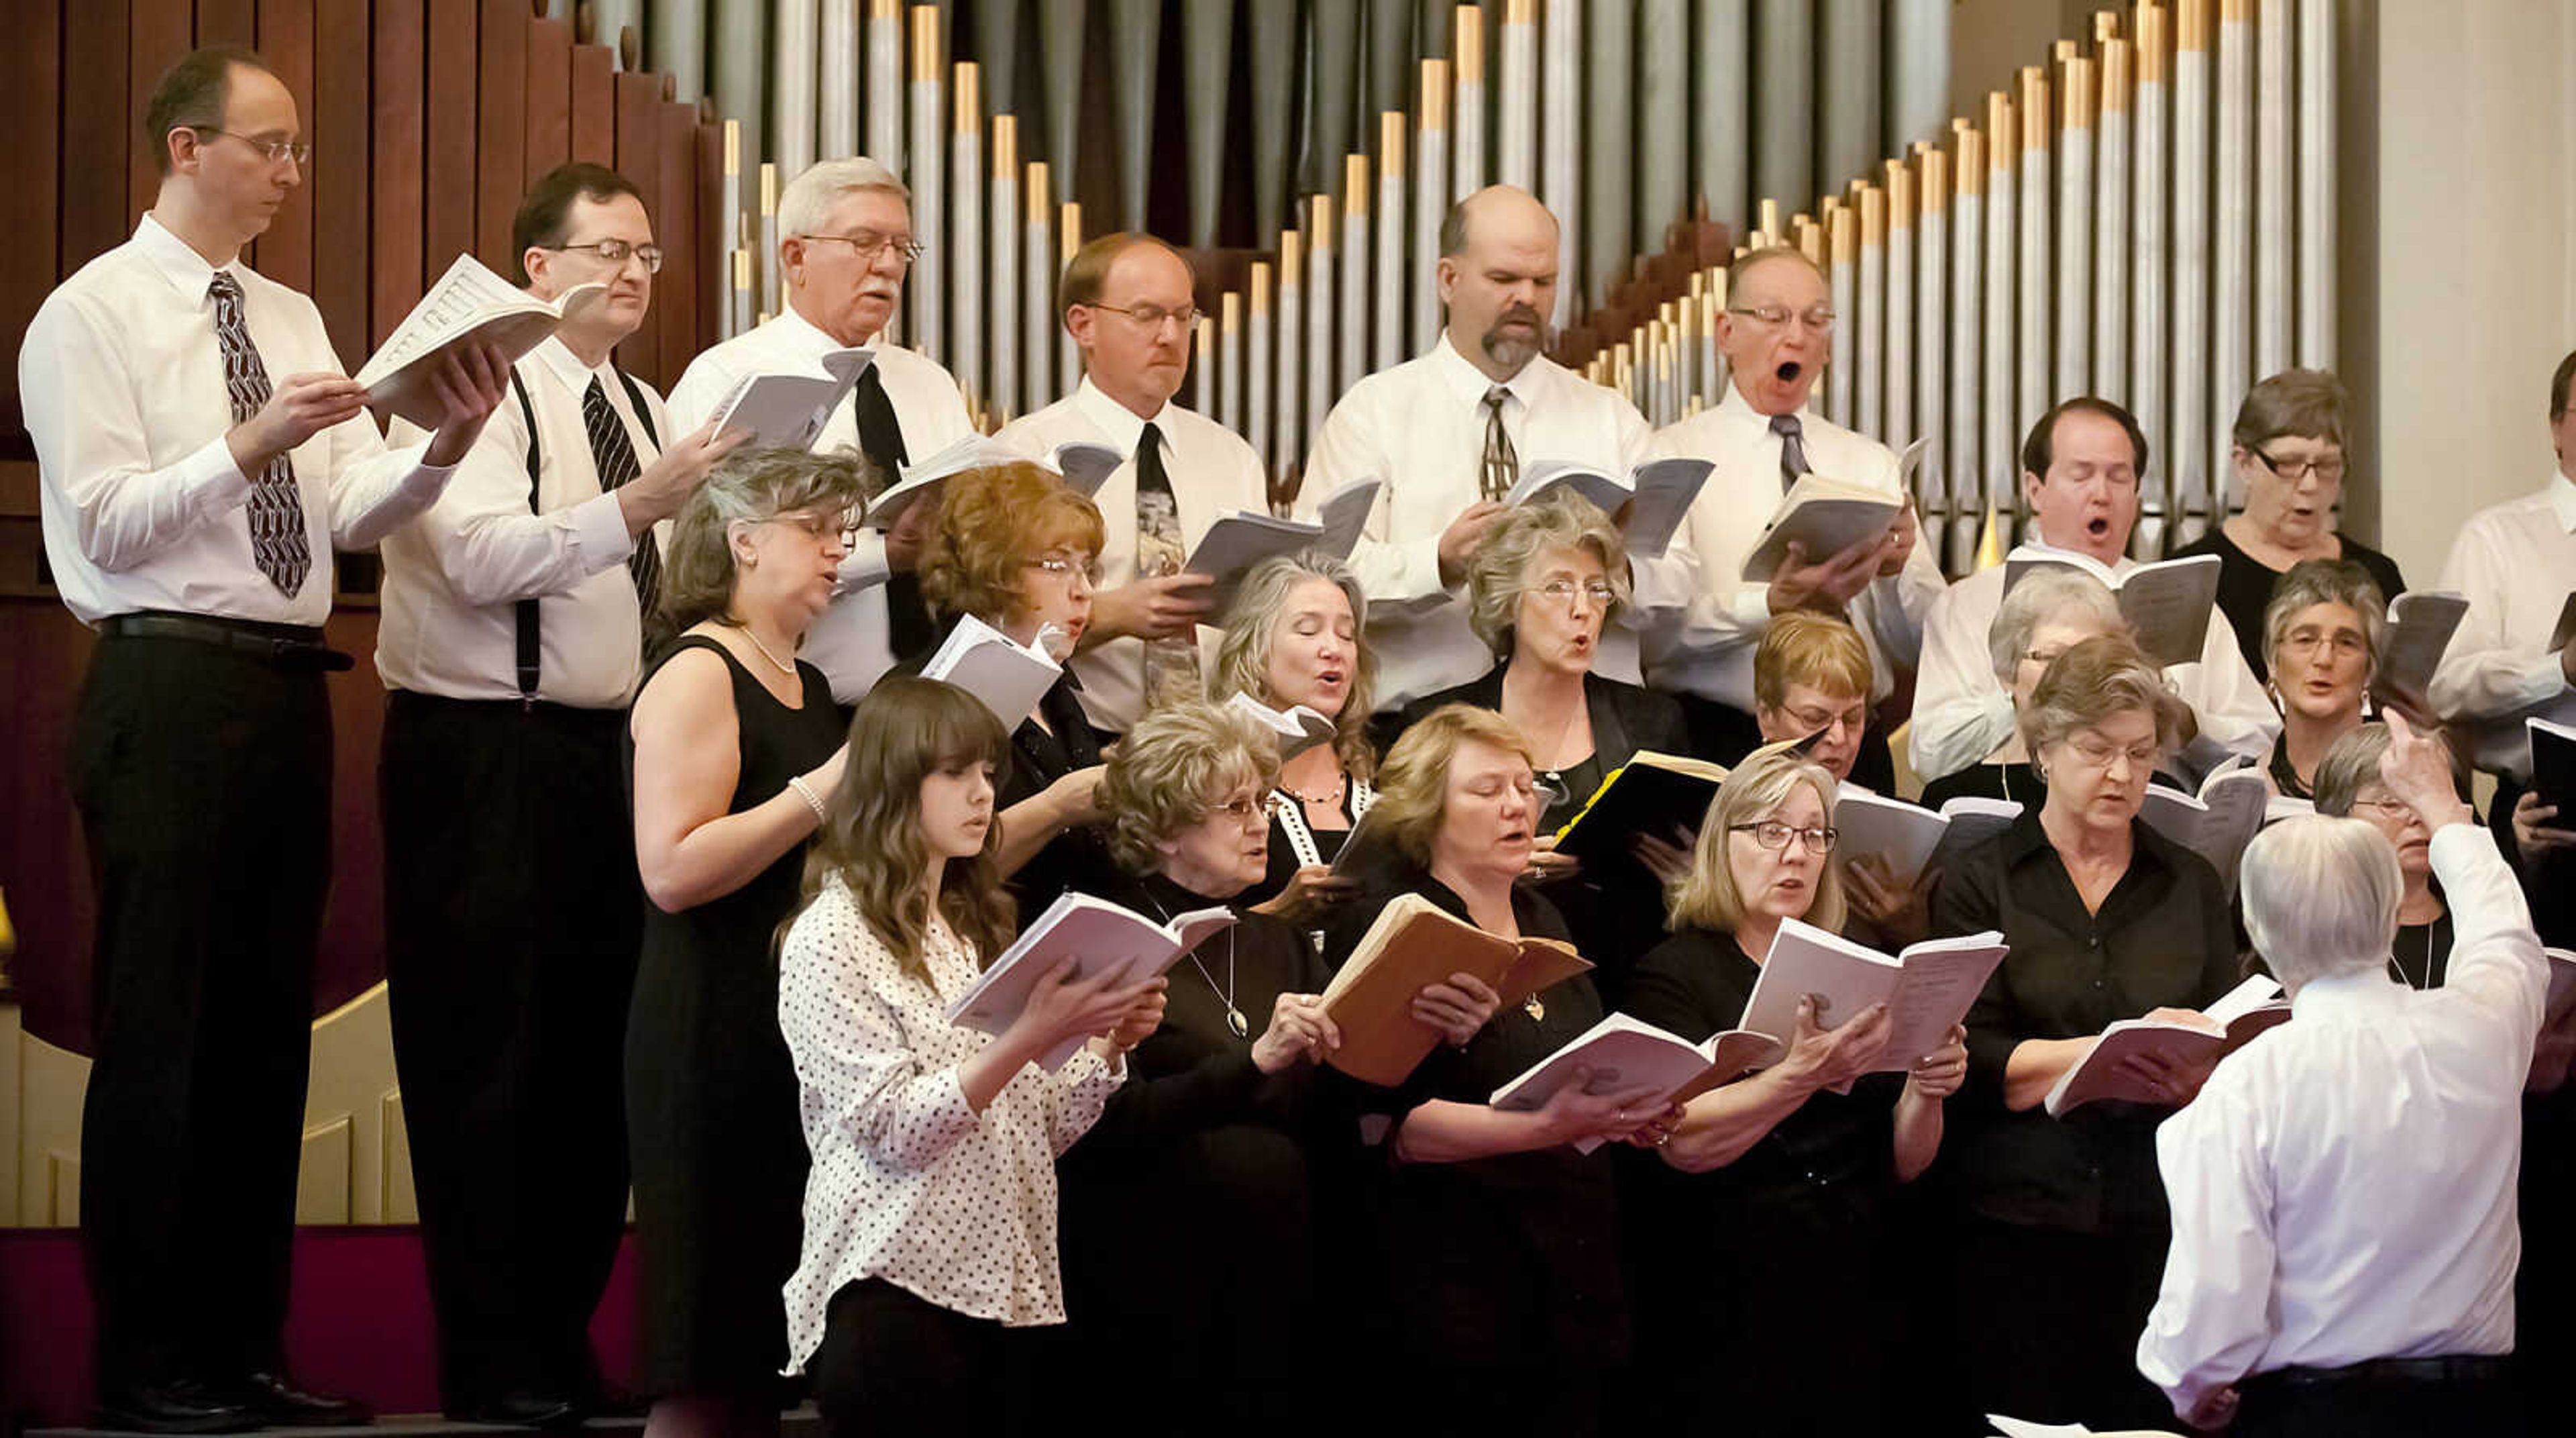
x: 1234, y: 1018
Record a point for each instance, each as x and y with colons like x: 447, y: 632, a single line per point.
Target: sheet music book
x: 1625, y: 1053
x: 1412, y: 945
x: 788, y: 411
x: 1244, y: 538
x: 920, y: 481
x: 1298, y: 727
x: 2224, y: 1027
x: 2420, y: 625
x: 2217, y: 824
x: 467, y: 302
x: 1086, y: 466
x: 2167, y: 604
x: 1663, y: 489
x: 1092, y: 932
x: 1927, y: 987
x: 993, y: 667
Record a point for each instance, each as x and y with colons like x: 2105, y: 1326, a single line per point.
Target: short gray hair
x: 2321, y: 897
x: 1252, y: 626
x: 2325, y: 581
x: 2350, y: 762
x: 2093, y: 681
x: 1498, y: 574
x: 811, y: 195
x: 2052, y: 592
x: 1174, y: 764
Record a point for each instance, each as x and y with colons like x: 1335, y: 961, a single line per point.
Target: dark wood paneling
x: 549, y: 98
x: 675, y: 290
x: 395, y: 284
x: 285, y: 253
x: 447, y: 197
x: 639, y: 136
x: 594, y: 104
x: 501, y: 126
x: 97, y: 132
x: 160, y: 34
x: 228, y: 22
x: 30, y: 109
x: 339, y: 181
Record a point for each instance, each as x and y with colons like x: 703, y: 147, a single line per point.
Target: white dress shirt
x: 454, y: 576
x: 1213, y: 474
x: 2515, y: 564
x: 909, y: 1184
x: 1961, y: 712
x: 1420, y: 427
x: 849, y: 642
x: 1710, y: 653
x: 122, y: 380
x: 2343, y: 1188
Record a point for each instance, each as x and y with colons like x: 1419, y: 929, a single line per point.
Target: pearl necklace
x: 784, y: 667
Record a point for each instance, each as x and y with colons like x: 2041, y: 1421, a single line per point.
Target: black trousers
x: 203, y: 779
x: 2049, y: 1323
x: 895, y: 1363
x: 2370, y: 1400
x: 512, y: 919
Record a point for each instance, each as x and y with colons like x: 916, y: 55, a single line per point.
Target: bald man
x: 1777, y: 334
x: 1450, y: 432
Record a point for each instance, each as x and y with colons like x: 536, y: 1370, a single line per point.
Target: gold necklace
x: 784, y: 666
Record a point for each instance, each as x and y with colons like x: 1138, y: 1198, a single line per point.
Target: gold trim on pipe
x: 925, y: 43
x: 1936, y: 184
x: 1037, y: 199
x: 1842, y: 239
x: 1355, y: 185
x: 1292, y: 251
x: 2106, y: 26
x: 2034, y: 108
x: 1972, y: 164
x: 2191, y: 24
x: 1433, y: 103
x: 1260, y: 283
x: 2002, y: 133
x: 1900, y: 195
x: 885, y: 9
x: 1390, y: 144
x: 2076, y: 82
x: 1467, y: 45
x: 2154, y: 44
x: 1873, y: 216
x: 1319, y: 225
x: 768, y: 187
x: 2116, y: 60
x: 2065, y: 51
x: 1006, y: 146
x: 1068, y: 231
x: 2236, y: 12
x: 733, y: 147
x: 966, y: 116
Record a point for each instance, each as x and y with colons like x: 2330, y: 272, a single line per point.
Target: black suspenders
x: 527, y: 608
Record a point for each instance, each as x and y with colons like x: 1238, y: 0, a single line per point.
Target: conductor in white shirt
x: 1449, y: 433
x: 201, y: 454
x: 845, y: 244
x: 2080, y: 467
x: 512, y: 639
x: 1126, y: 300
x: 2344, y: 1231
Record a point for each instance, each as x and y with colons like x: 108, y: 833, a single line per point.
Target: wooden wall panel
x: 339, y: 179
x: 639, y: 134
x: 285, y: 253
x: 228, y: 22
x: 98, y: 135
x: 31, y: 110
x: 501, y: 126
x: 594, y: 104
x: 676, y: 288
x: 447, y: 172
x: 549, y: 98
x: 398, y: 273
x: 160, y: 34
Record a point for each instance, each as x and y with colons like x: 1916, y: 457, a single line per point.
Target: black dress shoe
x: 523, y: 1410
x: 186, y: 1406
x: 278, y: 1403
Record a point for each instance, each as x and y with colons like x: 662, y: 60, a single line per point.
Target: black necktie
x: 276, y: 506
x: 614, y: 456
x: 909, y: 627
x: 1793, y: 448
x: 1502, y: 467
x: 1151, y: 478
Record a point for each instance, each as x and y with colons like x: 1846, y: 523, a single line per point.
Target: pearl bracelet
x: 806, y: 792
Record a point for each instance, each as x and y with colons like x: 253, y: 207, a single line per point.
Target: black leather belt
x: 2452, y: 1368
x: 288, y: 646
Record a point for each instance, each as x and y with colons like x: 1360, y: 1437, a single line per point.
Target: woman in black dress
x: 1504, y: 1311
x: 2062, y: 1241
x: 1759, y: 1235
x: 1015, y: 548
x: 732, y: 746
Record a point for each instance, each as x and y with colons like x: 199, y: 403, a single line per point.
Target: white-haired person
x: 2342, y: 1190
x: 2050, y: 611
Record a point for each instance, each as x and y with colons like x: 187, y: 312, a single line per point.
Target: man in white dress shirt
x: 1126, y: 300
x: 511, y: 641
x: 1777, y: 336
x: 201, y: 455
x: 2344, y: 1232
x: 845, y: 243
x: 1449, y: 432
x: 2080, y: 467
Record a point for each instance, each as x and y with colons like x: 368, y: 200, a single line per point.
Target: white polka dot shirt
x: 909, y: 1183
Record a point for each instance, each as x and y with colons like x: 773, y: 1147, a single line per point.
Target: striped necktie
x: 614, y: 455
x: 276, y: 507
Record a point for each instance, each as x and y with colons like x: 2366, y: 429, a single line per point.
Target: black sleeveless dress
x: 719, y: 1154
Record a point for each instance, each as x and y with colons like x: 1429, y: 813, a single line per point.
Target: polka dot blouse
x: 909, y: 1184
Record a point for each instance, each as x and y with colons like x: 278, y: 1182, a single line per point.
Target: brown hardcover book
x: 1412, y: 945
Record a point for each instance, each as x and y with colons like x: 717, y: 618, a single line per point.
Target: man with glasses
x: 1126, y: 300
x: 845, y: 244
x: 201, y: 455
x: 1450, y: 431
x: 2290, y: 459
x: 1777, y: 335
x: 512, y: 640
x: 2080, y: 467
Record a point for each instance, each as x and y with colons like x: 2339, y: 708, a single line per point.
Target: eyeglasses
x: 823, y: 526
x: 1774, y: 835
x: 1816, y: 721
x: 2328, y: 468
x: 614, y: 252
x: 1819, y: 320
x: 2094, y: 754
x: 1154, y: 317
x: 1064, y: 564
x: 1243, y: 810
x: 868, y: 247
x: 2304, y: 643
x: 2395, y: 811
x: 1561, y: 591
x: 2042, y: 657
x: 300, y: 151
x: 1532, y: 790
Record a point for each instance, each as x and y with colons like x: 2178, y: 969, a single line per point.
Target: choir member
x: 1125, y: 300
x: 511, y: 642
x: 2349, y: 786
x: 200, y: 454
x: 2064, y: 1225
x: 929, y: 1249
x: 2080, y: 466
x: 1760, y: 1242
x: 2321, y: 636
x: 2343, y: 1197
x: 734, y: 743
x: 845, y: 243
x: 1811, y: 681
x: 2051, y: 611
x: 2290, y: 457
